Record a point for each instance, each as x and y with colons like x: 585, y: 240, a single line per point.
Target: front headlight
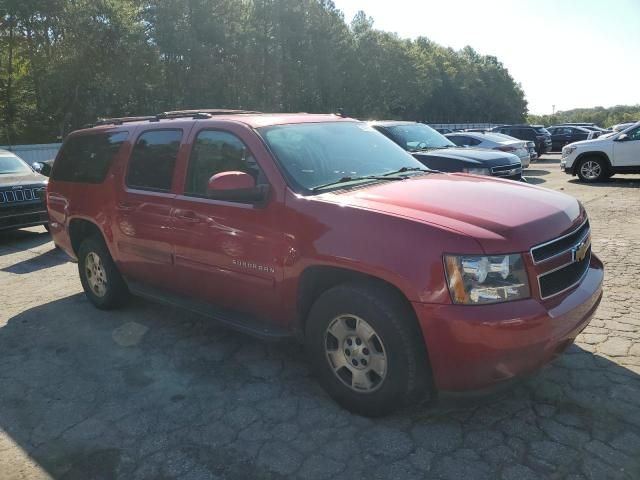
x: 568, y: 150
x: 477, y: 171
x: 475, y: 280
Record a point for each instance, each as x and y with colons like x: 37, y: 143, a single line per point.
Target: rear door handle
x: 125, y: 207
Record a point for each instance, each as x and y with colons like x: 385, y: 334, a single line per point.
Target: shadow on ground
x: 619, y: 181
x: 23, y: 239
x: 48, y: 259
x: 152, y: 392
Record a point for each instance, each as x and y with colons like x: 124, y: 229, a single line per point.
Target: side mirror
x: 622, y: 138
x: 37, y: 166
x: 236, y: 186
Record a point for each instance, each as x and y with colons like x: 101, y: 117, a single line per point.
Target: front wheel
x: 101, y: 280
x: 366, y: 349
x: 592, y: 170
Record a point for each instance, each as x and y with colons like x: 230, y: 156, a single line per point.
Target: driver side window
x: 635, y: 134
x: 216, y: 152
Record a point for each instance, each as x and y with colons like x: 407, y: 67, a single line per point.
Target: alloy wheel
x: 355, y: 353
x: 591, y: 170
x: 96, y: 275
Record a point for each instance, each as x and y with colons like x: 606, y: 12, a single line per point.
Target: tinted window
x: 153, y: 160
x: 215, y: 152
x: 87, y: 158
x: 540, y: 130
x: 459, y: 141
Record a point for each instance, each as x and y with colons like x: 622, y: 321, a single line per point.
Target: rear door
x: 228, y: 254
x: 143, y: 227
x: 626, y: 153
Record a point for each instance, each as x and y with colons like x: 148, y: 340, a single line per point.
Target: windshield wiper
x: 354, y: 179
x: 407, y: 169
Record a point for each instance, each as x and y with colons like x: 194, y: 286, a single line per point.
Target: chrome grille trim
x: 564, y: 251
x: 27, y: 194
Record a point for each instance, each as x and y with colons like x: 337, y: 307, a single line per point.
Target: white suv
x: 599, y: 159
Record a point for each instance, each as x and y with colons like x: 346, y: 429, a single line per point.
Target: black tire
x: 115, y: 292
x: 407, y: 376
x: 592, y: 170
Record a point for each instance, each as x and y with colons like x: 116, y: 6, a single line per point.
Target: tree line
x: 64, y: 63
x: 604, y: 117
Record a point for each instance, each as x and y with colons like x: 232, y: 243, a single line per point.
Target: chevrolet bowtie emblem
x: 579, y: 252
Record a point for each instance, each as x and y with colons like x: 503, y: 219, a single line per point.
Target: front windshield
x: 10, y: 164
x: 316, y: 154
x: 418, y: 136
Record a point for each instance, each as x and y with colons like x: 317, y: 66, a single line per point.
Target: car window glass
x: 458, y: 140
x: 87, y: 158
x: 634, y: 134
x: 153, y: 160
x: 216, y: 152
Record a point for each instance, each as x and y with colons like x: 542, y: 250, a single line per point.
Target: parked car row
x: 401, y: 281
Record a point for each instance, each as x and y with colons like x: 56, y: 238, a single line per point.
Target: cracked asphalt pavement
x: 149, y: 392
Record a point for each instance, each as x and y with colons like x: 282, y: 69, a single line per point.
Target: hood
x: 28, y: 178
x: 503, y: 216
x: 472, y: 156
x: 593, y: 142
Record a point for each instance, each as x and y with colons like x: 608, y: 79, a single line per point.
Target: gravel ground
x: 149, y: 392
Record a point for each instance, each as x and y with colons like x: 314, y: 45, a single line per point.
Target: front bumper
x: 477, y: 347
x: 24, y: 219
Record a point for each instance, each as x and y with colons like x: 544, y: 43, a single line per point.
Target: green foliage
x: 64, y: 63
x: 604, y: 117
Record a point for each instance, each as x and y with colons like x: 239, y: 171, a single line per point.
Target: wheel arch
x: 81, y: 228
x: 317, y: 279
x: 593, y: 154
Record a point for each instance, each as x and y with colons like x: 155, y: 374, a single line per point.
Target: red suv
x: 401, y: 281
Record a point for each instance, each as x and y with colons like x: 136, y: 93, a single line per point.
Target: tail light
x: 506, y: 148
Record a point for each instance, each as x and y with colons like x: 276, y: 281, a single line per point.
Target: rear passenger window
x: 87, y: 158
x: 216, y: 152
x: 153, y: 160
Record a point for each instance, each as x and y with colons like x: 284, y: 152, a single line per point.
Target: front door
x: 626, y: 153
x: 227, y: 254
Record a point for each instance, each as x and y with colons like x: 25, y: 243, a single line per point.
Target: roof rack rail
x: 201, y: 113
x: 121, y: 120
x: 195, y: 114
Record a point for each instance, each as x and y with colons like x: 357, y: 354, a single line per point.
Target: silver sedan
x: 493, y: 141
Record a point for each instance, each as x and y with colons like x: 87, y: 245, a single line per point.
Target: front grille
x: 513, y: 170
x: 21, y: 208
x: 558, y: 246
x: 563, y: 278
x: 17, y: 195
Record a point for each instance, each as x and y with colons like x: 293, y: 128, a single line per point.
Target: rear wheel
x: 366, y: 349
x: 99, y: 275
x: 592, y: 170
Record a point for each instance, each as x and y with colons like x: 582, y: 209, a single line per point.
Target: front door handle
x: 188, y: 216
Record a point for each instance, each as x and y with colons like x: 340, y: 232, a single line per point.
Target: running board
x: 241, y: 322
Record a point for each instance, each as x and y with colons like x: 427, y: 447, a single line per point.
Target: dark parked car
x: 439, y: 153
x: 562, y: 135
x: 21, y: 194
x: 534, y: 133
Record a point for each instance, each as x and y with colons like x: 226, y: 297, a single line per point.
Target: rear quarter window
x: 87, y: 158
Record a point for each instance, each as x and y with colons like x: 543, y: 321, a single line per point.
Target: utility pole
x: 553, y: 109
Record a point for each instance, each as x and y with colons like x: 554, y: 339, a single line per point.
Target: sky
x: 567, y: 53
